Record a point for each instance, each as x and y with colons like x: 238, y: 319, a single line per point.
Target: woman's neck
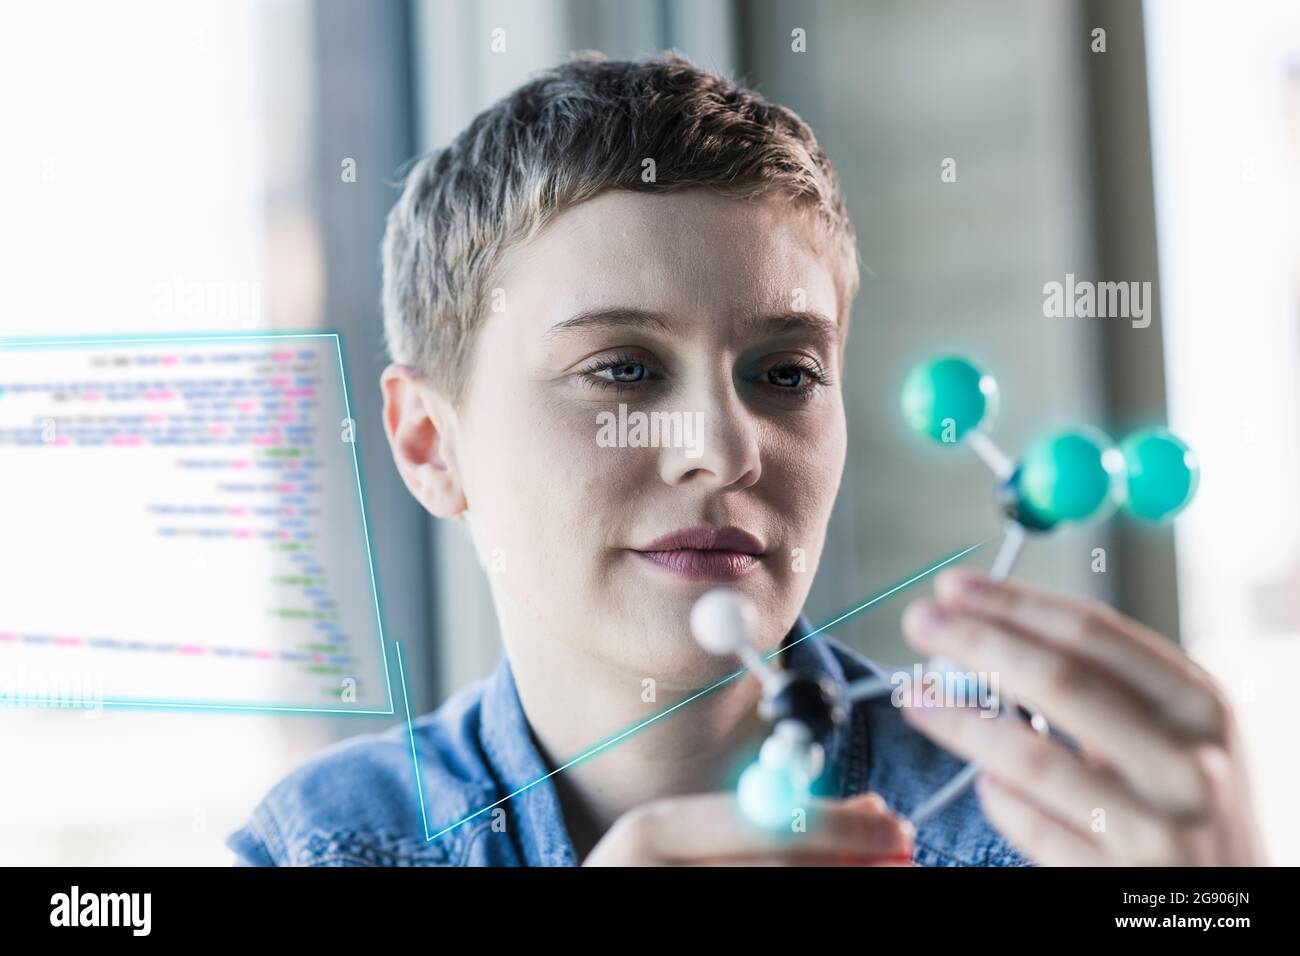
x: 575, y: 703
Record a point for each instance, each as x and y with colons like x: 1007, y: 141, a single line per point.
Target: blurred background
x: 986, y: 149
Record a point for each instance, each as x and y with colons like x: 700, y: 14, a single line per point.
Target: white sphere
x: 723, y: 621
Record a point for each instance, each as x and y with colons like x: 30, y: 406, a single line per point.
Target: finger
x: 1086, y: 703
x: 1182, y: 692
x: 1037, y: 834
x: 712, y: 825
x: 1096, y: 804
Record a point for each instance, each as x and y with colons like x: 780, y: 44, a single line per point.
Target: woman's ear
x: 421, y: 427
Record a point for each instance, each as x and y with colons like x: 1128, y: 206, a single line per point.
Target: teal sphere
x: 1072, y: 476
x: 1162, y: 474
x: 945, y: 398
x: 768, y: 796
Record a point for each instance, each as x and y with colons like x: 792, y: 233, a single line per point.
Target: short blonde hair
x: 577, y: 130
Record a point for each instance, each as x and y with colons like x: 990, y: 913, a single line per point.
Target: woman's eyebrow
x: 819, y: 326
x: 596, y: 320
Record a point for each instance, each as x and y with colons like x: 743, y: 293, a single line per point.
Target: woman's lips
x: 703, y: 565
x: 705, y: 553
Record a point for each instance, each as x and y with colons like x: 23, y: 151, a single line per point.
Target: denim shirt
x: 356, y: 803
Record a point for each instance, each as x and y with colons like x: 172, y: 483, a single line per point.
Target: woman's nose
x: 720, y: 445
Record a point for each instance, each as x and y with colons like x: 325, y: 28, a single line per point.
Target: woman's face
x: 717, y: 313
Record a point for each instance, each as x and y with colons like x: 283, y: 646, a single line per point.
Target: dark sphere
x: 1020, y: 511
x: 819, y: 704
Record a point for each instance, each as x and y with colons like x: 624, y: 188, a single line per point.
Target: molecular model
x: 1074, y: 476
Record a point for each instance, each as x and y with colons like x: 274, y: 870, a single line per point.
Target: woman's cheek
x: 806, y: 467
x: 807, y: 456
x: 568, y: 479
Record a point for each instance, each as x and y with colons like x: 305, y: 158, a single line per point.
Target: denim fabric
x: 356, y: 803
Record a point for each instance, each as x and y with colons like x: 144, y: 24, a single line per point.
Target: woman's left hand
x: 1160, y: 777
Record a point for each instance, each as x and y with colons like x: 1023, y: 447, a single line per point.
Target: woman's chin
x: 651, y: 634
x: 676, y: 664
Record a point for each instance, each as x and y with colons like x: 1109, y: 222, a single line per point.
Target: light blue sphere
x: 1074, y: 475
x: 1162, y: 474
x: 946, y: 398
x: 769, y: 796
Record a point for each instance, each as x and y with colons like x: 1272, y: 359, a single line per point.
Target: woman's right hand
x: 709, y: 830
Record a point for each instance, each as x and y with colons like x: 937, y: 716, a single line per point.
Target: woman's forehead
x: 677, y: 256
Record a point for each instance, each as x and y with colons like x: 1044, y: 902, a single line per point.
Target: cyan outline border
x: 155, y: 339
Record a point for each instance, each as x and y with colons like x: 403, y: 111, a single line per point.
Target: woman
x: 622, y: 239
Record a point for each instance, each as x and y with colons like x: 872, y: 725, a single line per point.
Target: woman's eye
x: 624, y: 373
x: 787, y: 376
x: 796, y: 377
x: 616, y: 372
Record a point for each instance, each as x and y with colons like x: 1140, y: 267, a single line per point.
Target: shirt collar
x: 535, y: 807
